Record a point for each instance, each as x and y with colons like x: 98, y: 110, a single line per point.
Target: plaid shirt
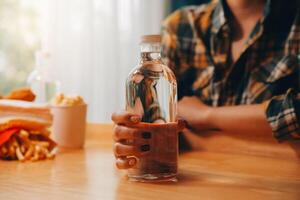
x: 196, y: 45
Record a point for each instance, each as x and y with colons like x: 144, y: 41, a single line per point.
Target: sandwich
x: 24, y: 131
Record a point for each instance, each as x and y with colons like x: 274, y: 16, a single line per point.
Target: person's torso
x: 268, y: 65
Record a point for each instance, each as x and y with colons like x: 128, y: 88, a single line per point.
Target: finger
x: 130, y: 150
x: 125, y: 118
x: 126, y: 162
x: 136, y: 136
x: 125, y: 133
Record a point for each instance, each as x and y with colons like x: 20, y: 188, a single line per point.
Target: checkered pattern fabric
x: 197, y: 45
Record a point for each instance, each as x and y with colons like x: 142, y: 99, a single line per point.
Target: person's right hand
x: 132, y: 137
x: 130, y: 141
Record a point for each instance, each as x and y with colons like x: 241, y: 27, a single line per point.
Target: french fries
x: 27, y: 146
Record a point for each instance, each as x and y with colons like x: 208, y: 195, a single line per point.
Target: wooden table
x: 206, y: 174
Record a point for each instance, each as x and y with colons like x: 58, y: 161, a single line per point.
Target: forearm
x: 243, y: 119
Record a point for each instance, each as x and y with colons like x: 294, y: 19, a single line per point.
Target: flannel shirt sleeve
x: 283, y: 111
x: 283, y: 114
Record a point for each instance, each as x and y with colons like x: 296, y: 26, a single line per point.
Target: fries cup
x: 69, y: 125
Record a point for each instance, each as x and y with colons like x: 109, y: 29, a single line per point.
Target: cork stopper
x: 151, y: 39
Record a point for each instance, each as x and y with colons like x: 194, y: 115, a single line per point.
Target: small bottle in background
x: 41, y: 80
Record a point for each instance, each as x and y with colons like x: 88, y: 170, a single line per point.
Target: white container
x: 69, y: 124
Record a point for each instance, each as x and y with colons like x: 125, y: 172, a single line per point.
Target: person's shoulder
x: 186, y: 17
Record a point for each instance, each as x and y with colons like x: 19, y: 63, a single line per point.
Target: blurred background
x: 93, y: 44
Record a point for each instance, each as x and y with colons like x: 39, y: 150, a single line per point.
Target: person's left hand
x: 195, y: 113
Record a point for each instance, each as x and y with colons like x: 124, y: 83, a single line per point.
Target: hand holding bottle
x: 133, y: 138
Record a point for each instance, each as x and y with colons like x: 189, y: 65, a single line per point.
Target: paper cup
x: 69, y: 124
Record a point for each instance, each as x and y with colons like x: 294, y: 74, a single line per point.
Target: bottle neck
x: 150, y: 52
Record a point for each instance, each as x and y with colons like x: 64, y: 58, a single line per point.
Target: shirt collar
x: 218, y: 17
x: 267, y: 10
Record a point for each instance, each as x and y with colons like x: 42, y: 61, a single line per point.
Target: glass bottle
x: 151, y: 92
x: 41, y: 80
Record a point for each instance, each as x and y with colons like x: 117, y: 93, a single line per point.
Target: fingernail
x: 132, y: 162
x: 145, y: 147
x: 135, y: 119
x: 146, y: 135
